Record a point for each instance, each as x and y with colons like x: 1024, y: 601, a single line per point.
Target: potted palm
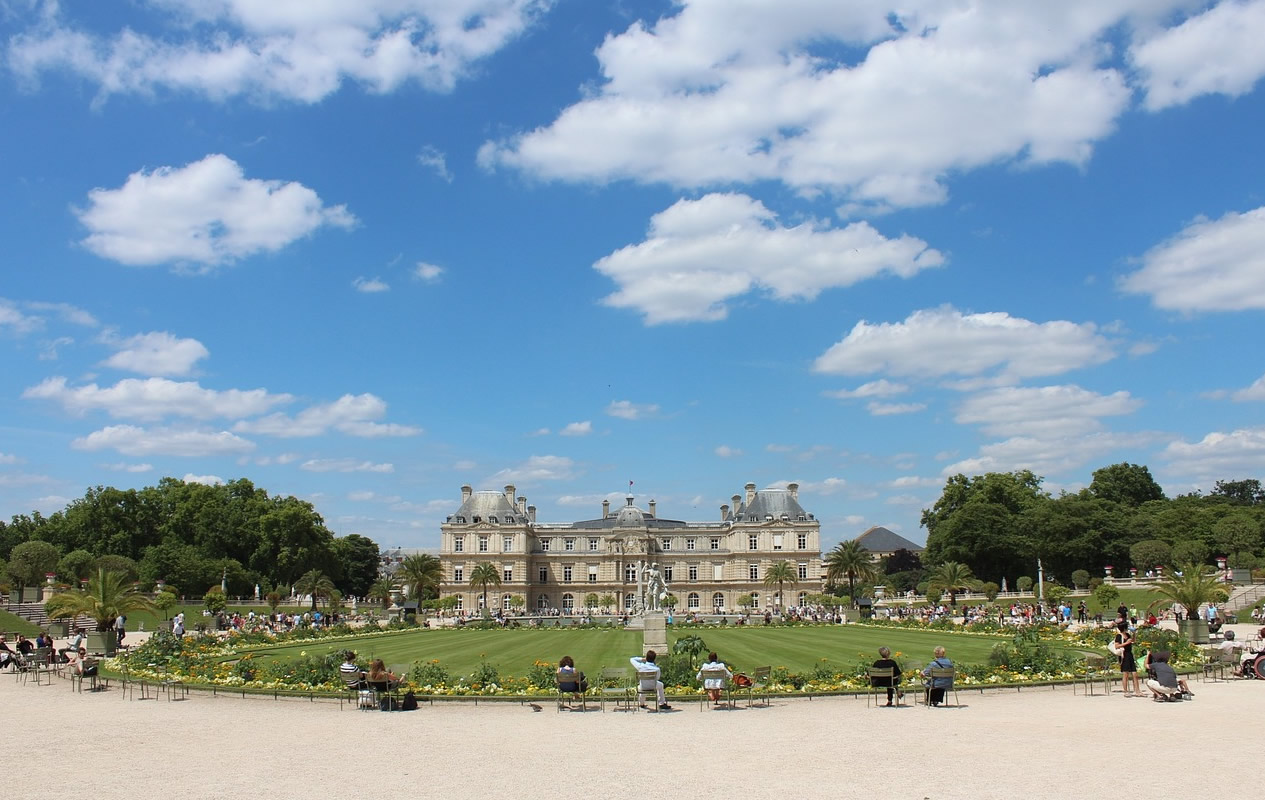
x: 1191, y: 587
x: 107, y: 596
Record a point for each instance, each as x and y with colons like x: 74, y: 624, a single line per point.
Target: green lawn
x: 10, y: 623
x: 513, y: 651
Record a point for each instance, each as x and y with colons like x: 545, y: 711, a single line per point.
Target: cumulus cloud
x: 879, y: 388
x: 1210, y: 265
x: 135, y: 441
x: 1218, y: 455
x: 626, y: 409
x: 1049, y: 456
x: 577, y: 429
x: 874, y: 105
x: 941, y: 342
x: 827, y: 486
x: 156, y: 398
x: 1250, y: 394
x: 344, y: 465
x: 725, y: 451
x: 433, y: 158
x: 125, y: 467
x: 208, y: 480
x: 206, y: 213
x: 11, y: 317
x: 698, y: 254
x: 878, y: 409
x: 1043, y: 411
x: 156, y: 353
x: 292, y: 51
x: 1215, y: 52
x: 354, y: 415
x: 428, y: 273
x: 370, y: 285
x: 535, y: 470
x: 64, y: 311
x: 8, y: 458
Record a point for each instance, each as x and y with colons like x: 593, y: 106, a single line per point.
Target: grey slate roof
x: 880, y: 540
x: 628, y: 517
x: 774, y: 503
x: 488, y: 504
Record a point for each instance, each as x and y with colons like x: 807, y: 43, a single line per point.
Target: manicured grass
x: 513, y: 651
x: 10, y: 623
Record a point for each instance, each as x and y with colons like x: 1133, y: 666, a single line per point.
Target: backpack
x: 410, y: 701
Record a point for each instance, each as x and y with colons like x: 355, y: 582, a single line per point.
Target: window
x: 480, y: 601
x: 505, y: 602
x: 458, y: 574
x: 544, y: 574
x: 690, y: 543
x: 542, y: 602
x: 592, y: 573
x: 568, y: 545
x: 507, y: 544
x: 491, y: 519
x: 803, y: 572
x: 566, y: 574
x: 691, y: 601
x: 715, y: 543
x: 476, y: 519
x: 459, y: 544
x: 461, y: 603
x: 483, y: 544
x: 592, y: 545
x: 630, y: 573
x: 753, y: 572
x: 753, y: 542
x: 507, y: 574
x: 755, y: 599
x: 718, y: 601
x: 665, y: 544
x: 801, y: 541
x: 777, y: 541
x: 568, y: 602
x: 667, y: 574
x: 693, y: 572
x: 628, y: 602
x: 544, y: 545
x: 803, y: 598
x: 718, y: 572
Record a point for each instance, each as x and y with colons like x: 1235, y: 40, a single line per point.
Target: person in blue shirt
x: 936, y: 686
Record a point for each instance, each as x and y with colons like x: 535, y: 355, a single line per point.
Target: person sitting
x: 885, y: 661
x: 570, y: 680
x: 379, y: 677
x: 81, y: 664
x: 713, y: 684
x: 1215, y: 623
x: 73, y: 647
x: 7, y: 656
x: 648, y: 677
x: 25, y: 646
x: 1165, y: 686
x: 353, y: 677
x: 937, y: 686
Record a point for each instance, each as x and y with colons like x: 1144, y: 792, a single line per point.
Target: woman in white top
x: 713, y: 683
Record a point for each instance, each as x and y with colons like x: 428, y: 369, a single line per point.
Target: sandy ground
x: 1038, y: 743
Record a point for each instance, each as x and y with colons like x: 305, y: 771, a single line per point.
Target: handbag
x: 366, y: 698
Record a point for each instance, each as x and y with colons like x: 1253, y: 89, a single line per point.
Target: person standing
x: 1128, y: 664
x: 120, y: 628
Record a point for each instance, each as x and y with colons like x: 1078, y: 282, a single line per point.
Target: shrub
x: 1024, y: 583
x: 1106, y: 595
x: 1027, y: 651
x: 429, y: 673
x: 1080, y: 578
x: 484, y: 675
x: 990, y: 590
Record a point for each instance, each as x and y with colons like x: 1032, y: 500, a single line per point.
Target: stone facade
x: 556, y: 566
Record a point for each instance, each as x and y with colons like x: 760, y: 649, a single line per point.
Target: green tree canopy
x: 108, y: 596
x: 1246, y: 492
x: 1150, y: 553
x: 358, y: 556
x: 75, y: 566
x: 1124, y: 483
x: 778, y: 573
x: 849, y: 561
x: 31, y: 561
x: 482, y: 576
x: 951, y: 577
x: 420, y: 575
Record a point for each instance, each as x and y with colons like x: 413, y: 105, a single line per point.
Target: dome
x: 630, y: 517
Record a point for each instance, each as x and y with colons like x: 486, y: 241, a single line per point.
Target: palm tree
x: 421, y: 574
x: 691, y: 647
x: 951, y: 577
x: 1191, y: 589
x: 109, y: 595
x: 779, y: 573
x: 852, y: 561
x: 481, y: 576
x: 315, y: 583
x: 381, y: 590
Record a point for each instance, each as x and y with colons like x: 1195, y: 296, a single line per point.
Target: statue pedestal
x: 655, y: 632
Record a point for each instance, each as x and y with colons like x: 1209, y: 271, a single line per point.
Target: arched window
x: 691, y: 601
x: 482, y: 601
x: 461, y: 603
x: 718, y: 600
x: 755, y: 599
x: 505, y: 602
x: 628, y: 602
x: 568, y: 602
x: 803, y: 598
x: 542, y: 601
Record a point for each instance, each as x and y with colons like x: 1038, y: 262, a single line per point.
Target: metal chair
x: 759, y: 684
x: 882, y: 679
x: 942, y: 673
x: 42, y: 664
x: 616, y: 687
x: 574, y: 691
x: 716, y: 674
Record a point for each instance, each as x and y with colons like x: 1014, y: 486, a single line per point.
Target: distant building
x: 881, y: 543
x: 556, y: 565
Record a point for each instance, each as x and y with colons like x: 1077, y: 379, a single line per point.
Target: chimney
x: 750, y: 487
x: 793, y: 488
x: 735, y: 500
x: 724, y: 512
x: 606, y: 508
x: 522, y: 505
x: 531, y: 513
x: 509, y: 494
x: 651, y: 504
x: 465, y: 493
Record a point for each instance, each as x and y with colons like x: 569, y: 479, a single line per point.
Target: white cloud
x: 353, y: 415
x: 373, y: 497
x: 828, y: 486
x: 590, y: 500
x: 1218, y: 456
x: 944, y: 341
x: 878, y: 409
x: 879, y: 388
x: 133, y: 441
x: 904, y: 500
x: 540, y: 432
x: 207, y: 212
x: 1216, y: 52
x: 725, y: 451
x: 626, y: 409
x: 1250, y: 394
x: 156, y: 353
x: 465, y: 465
x: 536, y: 469
x: 1044, y: 411
x: 779, y: 448
x: 48, y: 350
x: 298, y: 51
x: 874, y: 105
x: 370, y: 285
x: 428, y: 272
x: 208, y: 480
x: 124, y: 467
x: 24, y: 479
x: 12, y: 317
x: 344, y: 465
x: 1211, y: 265
x: 1048, y: 456
x: 698, y: 254
x: 433, y: 158
x: 8, y: 458
x: 155, y: 398
x: 50, y: 503
x: 915, y: 481
x: 577, y: 429
x: 67, y: 312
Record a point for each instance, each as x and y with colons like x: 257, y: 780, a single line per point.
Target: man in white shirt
x: 648, y: 677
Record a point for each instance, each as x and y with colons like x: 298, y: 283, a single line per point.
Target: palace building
x: 556, y: 566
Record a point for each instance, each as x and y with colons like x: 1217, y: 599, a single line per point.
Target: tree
x: 165, y: 601
x: 420, y: 573
x: 1106, y: 595
x: 75, y: 566
x: 1127, y: 484
x: 481, y: 576
x: 314, y: 583
x: 109, y: 595
x: 901, y: 560
x: 590, y: 600
x: 214, y: 600
x: 1080, y: 578
x: 745, y: 601
x: 691, y: 647
x: 1237, y: 532
x: 293, y: 540
x: 381, y: 590
x: 780, y: 572
x: 1056, y: 594
x: 358, y: 556
x: 1150, y: 553
x: 517, y: 602
x: 112, y: 563
x: 31, y: 561
x: 607, y: 600
x: 852, y: 561
x: 1190, y: 552
x: 990, y: 590
x: 1191, y: 589
x: 273, y: 599
x: 1246, y: 492
x: 951, y: 577
x: 1024, y: 583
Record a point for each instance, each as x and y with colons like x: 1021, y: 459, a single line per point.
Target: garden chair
x: 759, y: 685
x: 941, y: 673
x: 648, y: 691
x: 1217, y: 660
x: 616, y: 687
x: 568, y: 696
x: 353, y: 689
x: 726, y: 690
x: 42, y: 664
x: 1095, y: 671
x: 386, y: 695
x: 90, y: 674
x: 880, y: 679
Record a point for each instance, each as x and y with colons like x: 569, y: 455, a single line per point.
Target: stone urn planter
x: 1195, y: 630
x: 102, y: 642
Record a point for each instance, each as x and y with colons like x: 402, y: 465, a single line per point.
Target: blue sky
x: 366, y: 253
